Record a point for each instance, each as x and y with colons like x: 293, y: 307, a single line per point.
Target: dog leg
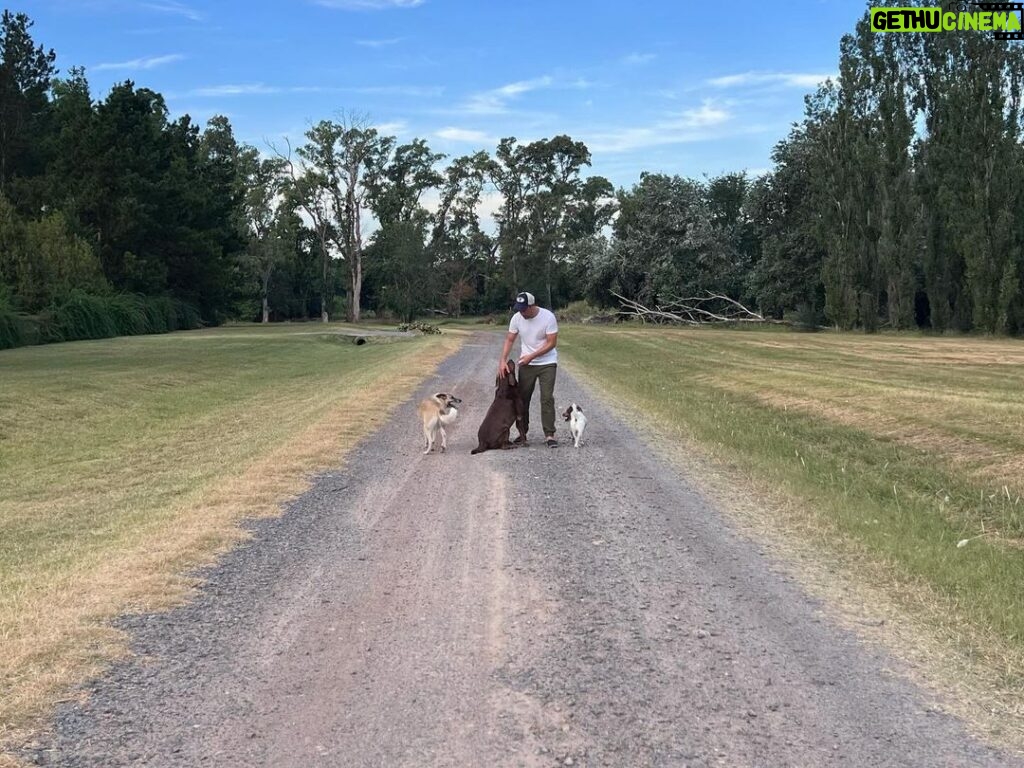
x: 444, y: 440
x: 428, y: 434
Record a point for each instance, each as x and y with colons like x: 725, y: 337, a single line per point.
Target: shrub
x: 577, y: 312
x: 12, y: 325
x: 128, y: 313
x: 806, y: 318
x: 81, y: 316
x: 186, y: 316
x: 426, y: 328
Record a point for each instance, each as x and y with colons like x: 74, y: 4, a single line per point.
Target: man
x: 537, y: 330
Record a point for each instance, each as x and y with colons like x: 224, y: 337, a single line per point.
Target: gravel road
x: 532, y: 607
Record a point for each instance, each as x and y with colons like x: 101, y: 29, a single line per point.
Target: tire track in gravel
x: 521, y: 608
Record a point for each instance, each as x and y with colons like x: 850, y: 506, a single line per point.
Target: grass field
x: 890, y: 451
x: 124, y: 462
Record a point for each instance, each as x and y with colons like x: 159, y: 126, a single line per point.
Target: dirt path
x: 532, y: 607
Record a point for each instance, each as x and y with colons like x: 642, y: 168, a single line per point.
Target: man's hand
x: 502, y: 368
x: 526, y: 359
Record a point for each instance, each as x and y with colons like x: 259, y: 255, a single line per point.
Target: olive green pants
x: 529, y: 375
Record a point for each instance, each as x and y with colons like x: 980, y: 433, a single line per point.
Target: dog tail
x: 478, y: 449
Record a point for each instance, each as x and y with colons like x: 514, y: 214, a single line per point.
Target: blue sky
x: 655, y: 86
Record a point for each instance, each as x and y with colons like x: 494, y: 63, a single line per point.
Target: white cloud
x: 235, y: 90
x: 782, y: 79
x: 392, y: 128
x: 172, y: 6
x: 379, y: 43
x: 368, y: 5
x: 495, y: 101
x: 260, y: 89
x: 396, y: 90
x: 465, y: 135
x: 692, y: 125
x: 634, y: 59
x: 144, y: 63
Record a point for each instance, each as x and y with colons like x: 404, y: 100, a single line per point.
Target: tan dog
x: 436, y: 412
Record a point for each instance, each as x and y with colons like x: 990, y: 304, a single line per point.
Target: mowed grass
x: 125, y: 462
x: 892, y: 449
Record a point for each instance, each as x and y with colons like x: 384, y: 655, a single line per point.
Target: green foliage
x: 402, y: 270
x: 806, y: 318
x: 81, y: 316
x: 13, y: 331
x: 897, y: 202
x: 425, y: 328
x: 26, y: 70
x: 577, y: 311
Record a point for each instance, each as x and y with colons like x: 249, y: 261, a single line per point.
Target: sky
x: 672, y: 87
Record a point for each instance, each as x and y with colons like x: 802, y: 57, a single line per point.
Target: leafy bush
x: 577, y: 312
x: 426, y: 328
x: 806, y: 318
x: 84, y: 316
x: 12, y: 325
x: 186, y: 316
x: 128, y: 313
x: 81, y: 316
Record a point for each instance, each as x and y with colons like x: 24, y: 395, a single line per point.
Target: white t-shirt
x: 533, y: 334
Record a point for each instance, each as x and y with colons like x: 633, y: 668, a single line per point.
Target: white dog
x: 577, y: 423
x: 437, y: 412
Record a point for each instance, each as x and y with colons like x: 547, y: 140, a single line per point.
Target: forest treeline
x: 897, y: 202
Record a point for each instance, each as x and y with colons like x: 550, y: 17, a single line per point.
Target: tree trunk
x: 357, y: 262
x: 323, y: 285
x: 356, y: 272
x: 266, y: 310
x: 547, y: 280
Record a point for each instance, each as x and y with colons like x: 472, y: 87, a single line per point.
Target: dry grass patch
x: 131, y: 462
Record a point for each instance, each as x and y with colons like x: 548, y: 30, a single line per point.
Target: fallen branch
x: 694, y: 310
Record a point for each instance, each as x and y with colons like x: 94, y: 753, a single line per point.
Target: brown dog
x: 506, y: 410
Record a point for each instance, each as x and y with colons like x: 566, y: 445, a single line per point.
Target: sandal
x: 552, y: 443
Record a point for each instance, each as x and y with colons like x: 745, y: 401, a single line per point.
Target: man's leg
x: 527, y: 381
x: 547, y: 398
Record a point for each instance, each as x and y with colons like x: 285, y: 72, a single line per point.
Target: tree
x: 26, y: 70
x: 546, y: 206
x: 969, y: 163
x: 461, y: 250
x: 787, y: 273
x: 271, y: 235
x: 665, y: 241
x: 344, y: 159
x: 309, y: 190
x: 401, y: 267
x: 395, y: 187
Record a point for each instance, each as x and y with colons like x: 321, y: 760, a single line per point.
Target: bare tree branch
x: 694, y: 310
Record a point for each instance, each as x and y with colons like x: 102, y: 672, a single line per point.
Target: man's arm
x: 546, y: 347
x: 510, y: 339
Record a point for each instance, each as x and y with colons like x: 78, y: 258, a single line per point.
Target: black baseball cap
x: 524, y: 300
